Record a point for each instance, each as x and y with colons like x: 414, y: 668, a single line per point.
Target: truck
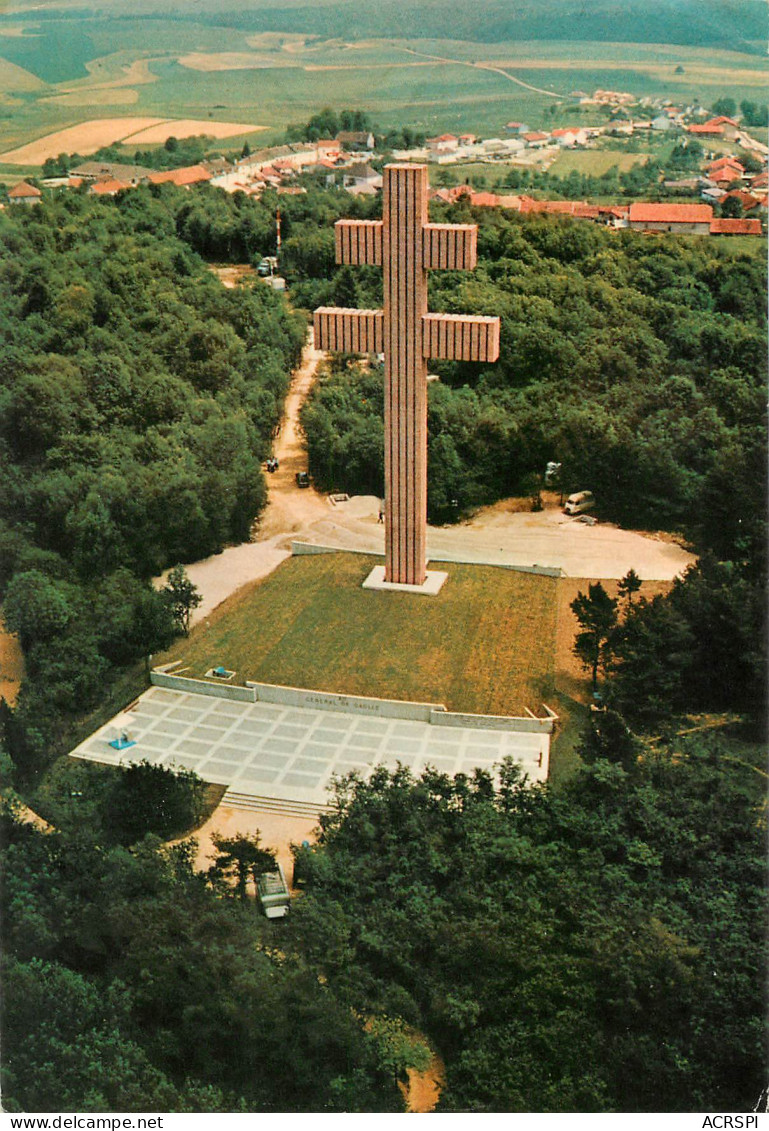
x: 580, y: 502
x: 273, y: 893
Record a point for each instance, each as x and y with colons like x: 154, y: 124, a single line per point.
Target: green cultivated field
x: 57, y: 72
x: 595, y: 162
x: 485, y: 644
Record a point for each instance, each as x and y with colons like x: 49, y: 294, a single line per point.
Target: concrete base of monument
x: 430, y: 586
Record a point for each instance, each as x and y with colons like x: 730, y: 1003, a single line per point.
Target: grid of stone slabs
x: 291, y: 753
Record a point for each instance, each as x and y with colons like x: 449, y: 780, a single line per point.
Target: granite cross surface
x: 406, y: 246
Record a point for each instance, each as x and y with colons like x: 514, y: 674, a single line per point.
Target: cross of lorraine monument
x: 406, y: 247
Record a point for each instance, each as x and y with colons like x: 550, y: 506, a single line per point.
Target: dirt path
x: 11, y: 665
x: 277, y: 831
x: 485, y: 67
x: 424, y: 1088
x: 291, y: 508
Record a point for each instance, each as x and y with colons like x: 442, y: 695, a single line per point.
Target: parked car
x: 302, y: 479
x: 273, y: 893
x: 579, y: 502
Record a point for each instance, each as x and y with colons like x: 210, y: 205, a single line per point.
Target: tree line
x: 592, y: 947
x: 137, y: 400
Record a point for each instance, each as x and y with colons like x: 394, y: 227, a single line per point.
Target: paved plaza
x: 291, y: 753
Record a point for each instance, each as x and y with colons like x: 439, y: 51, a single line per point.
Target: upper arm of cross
x: 444, y: 246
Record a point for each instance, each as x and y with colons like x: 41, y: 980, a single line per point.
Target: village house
x: 355, y: 141
x: 735, y: 227
x: 567, y: 138
x: 446, y: 143
x: 688, y: 218
x: 131, y: 175
x: 326, y: 148
x: 108, y: 186
x: 518, y: 128
x: 361, y: 180
x: 184, y: 178
x: 746, y: 199
x: 24, y: 193
x: 536, y: 139
x: 712, y: 193
x: 721, y: 127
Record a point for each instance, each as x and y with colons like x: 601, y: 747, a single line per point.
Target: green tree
x: 241, y: 858
x: 37, y: 607
x: 146, y: 798
x: 731, y: 207
x: 725, y: 106
x: 596, y: 613
x: 183, y: 597
x: 630, y: 584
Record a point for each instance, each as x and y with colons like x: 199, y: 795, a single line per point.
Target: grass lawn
x: 485, y: 644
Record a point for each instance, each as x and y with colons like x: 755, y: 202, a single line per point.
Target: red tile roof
x: 734, y: 227
x: 732, y: 162
x: 706, y: 128
x: 484, y: 199
x: 190, y: 175
x: 22, y: 190
x: 746, y: 199
x: 107, y: 187
x: 721, y: 120
x: 643, y: 212
x: 725, y: 175
x: 761, y: 181
x: 537, y: 135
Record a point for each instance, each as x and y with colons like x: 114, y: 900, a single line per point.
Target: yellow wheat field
x: 84, y: 138
x: 190, y: 127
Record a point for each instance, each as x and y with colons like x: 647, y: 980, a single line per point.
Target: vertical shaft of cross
x: 405, y: 373
x: 406, y: 247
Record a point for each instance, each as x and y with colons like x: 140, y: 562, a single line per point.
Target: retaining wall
x: 531, y: 725
x: 301, y: 549
x: 352, y: 704
x: 433, y: 713
x: 202, y: 687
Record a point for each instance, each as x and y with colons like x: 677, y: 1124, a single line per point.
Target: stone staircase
x: 258, y: 803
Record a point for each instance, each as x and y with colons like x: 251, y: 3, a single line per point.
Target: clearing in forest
x: 485, y: 644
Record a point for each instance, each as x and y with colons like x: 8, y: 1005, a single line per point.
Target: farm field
x: 594, y: 162
x: 485, y: 644
x: 54, y: 72
x: 89, y: 136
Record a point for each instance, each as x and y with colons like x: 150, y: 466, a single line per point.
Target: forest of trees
x: 593, y: 947
x: 638, y: 364
x: 137, y: 400
x: 596, y: 945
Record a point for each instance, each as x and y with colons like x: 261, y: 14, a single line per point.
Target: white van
x: 579, y: 503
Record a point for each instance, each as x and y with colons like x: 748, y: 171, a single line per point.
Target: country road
x: 484, y: 67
